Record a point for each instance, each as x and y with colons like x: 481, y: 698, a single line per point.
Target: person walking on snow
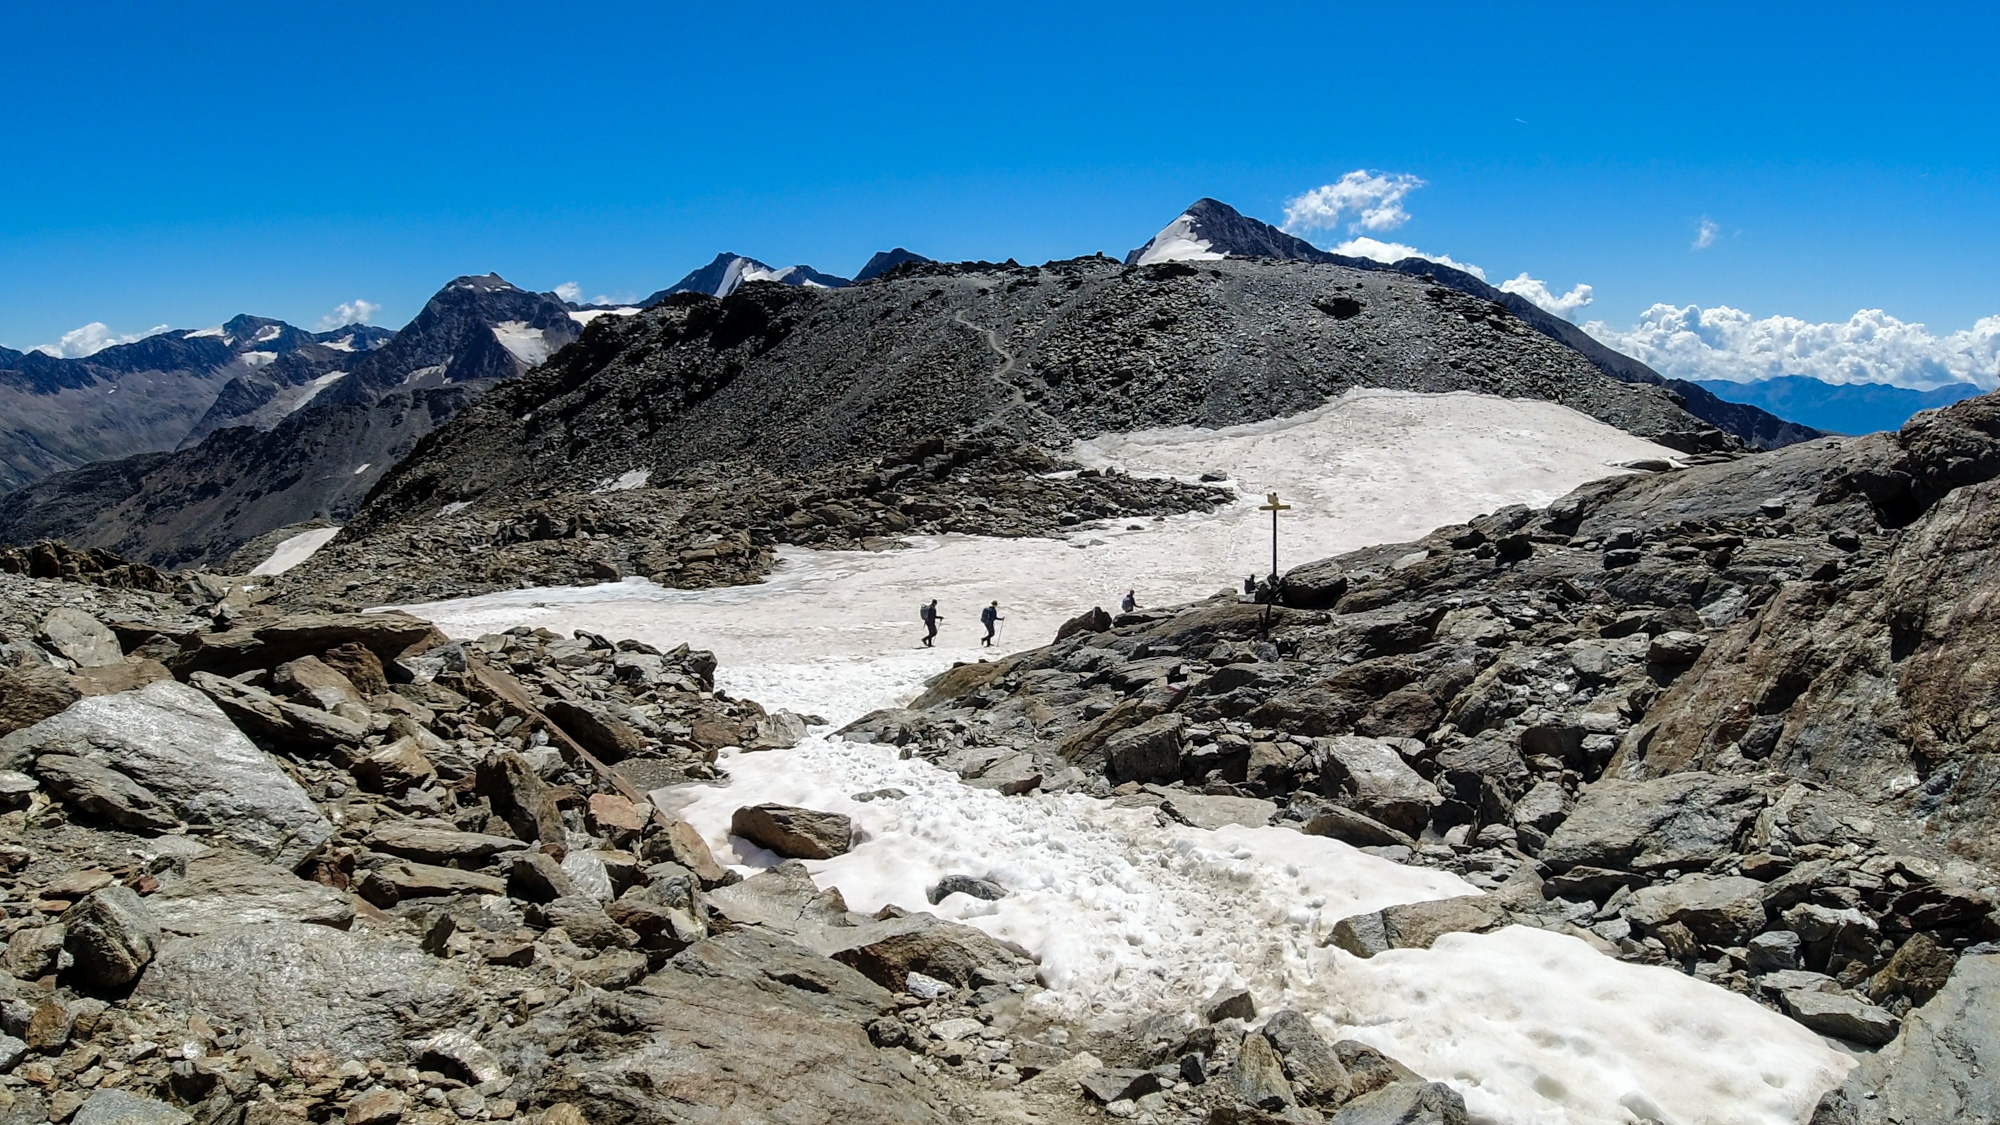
x: 1130, y: 603
x: 928, y: 612
x: 988, y: 617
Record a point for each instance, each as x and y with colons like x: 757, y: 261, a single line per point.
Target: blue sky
x: 179, y: 164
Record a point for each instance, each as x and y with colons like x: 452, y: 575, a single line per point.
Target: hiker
x: 989, y: 617
x: 1130, y: 603
x: 1250, y: 585
x: 928, y: 612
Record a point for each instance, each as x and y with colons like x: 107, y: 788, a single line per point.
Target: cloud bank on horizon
x: 93, y: 338
x: 1690, y: 342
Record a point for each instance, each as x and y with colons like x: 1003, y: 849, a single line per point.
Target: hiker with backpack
x: 990, y: 617
x: 928, y: 614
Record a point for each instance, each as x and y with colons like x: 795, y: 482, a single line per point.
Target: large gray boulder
x: 110, y: 936
x: 174, y: 742
x: 1941, y: 1068
x: 794, y: 833
x: 1720, y: 911
x: 1374, y: 780
x: 81, y: 638
x: 1682, y: 820
x: 303, y: 987
x: 229, y: 888
x: 1406, y: 1103
x: 101, y: 793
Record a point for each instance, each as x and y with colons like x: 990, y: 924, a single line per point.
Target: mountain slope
x: 1851, y: 408
x: 882, y: 261
x: 720, y: 278
x: 198, y: 504
x: 804, y: 379
x: 58, y: 414
x: 1210, y: 229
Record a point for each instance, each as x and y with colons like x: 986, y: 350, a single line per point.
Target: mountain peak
x: 886, y: 260
x: 727, y: 272
x: 1210, y: 229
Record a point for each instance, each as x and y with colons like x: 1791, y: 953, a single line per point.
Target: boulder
x: 1350, y: 827
x: 1369, y: 1069
x: 584, y: 920
x: 520, y: 797
x: 392, y: 883
x: 110, y: 936
x: 118, y: 1107
x: 1415, y: 925
x: 230, y: 888
x: 394, y: 768
x: 1919, y: 968
x: 81, y: 638
x: 1841, y: 1016
x: 307, y: 988
x: 175, y: 743
x: 101, y: 793
x: 1940, y: 1068
x: 794, y: 833
x: 267, y: 642
x: 1314, y: 1070
x: 1676, y: 647
x: 600, y: 731
x: 887, y: 952
x: 1683, y: 820
x: 315, y: 683
x: 32, y: 952
x: 1719, y: 911
x: 1150, y: 751
x: 282, y: 722
x: 536, y: 877
x: 30, y: 693
x: 1406, y: 1103
x: 1095, y: 621
x: 1258, y: 1076
x: 439, y: 845
x: 1371, y: 777
x: 1315, y: 585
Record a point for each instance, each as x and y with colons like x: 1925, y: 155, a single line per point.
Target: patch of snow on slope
x: 295, y: 550
x: 344, y: 344
x: 267, y: 333
x: 254, y: 360
x: 585, y: 316
x: 217, y: 332
x: 313, y: 389
x: 527, y: 344
x: 364, y: 467
x: 1177, y: 243
x: 625, y: 482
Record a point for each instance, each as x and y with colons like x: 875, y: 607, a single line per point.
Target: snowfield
x: 1130, y: 917
x: 296, y: 550
x: 526, y: 343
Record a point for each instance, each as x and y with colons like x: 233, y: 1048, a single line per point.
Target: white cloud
x: 91, y: 339
x: 1706, y: 234
x: 1374, y: 200
x: 1391, y: 252
x: 1536, y: 290
x: 1869, y: 347
x: 356, y: 311
x: 569, y: 291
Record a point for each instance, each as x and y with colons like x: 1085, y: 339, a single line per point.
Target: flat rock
x: 1405, y: 1103
x: 230, y: 888
x: 887, y: 952
x: 1841, y: 1016
x: 440, y: 845
x: 1416, y: 925
x: 1357, y: 829
x: 1211, y: 811
x: 392, y: 883
x: 99, y: 792
x: 117, y: 1107
x: 1377, y: 782
x: 794, y: 833
x: 303, y: 988
x: 1720, y: 911
x: 81, y: 638
x: 170, y: 739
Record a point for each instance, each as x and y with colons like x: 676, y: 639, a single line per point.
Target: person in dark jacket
x: 928, y: 612
x: 1131, y: 602
x: 989, y: 617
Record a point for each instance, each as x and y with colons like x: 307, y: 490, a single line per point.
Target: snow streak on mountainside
x: 722, y: 276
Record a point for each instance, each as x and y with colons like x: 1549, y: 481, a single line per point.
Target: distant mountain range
x: 1840, y: 408
x: 1211, y: 229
